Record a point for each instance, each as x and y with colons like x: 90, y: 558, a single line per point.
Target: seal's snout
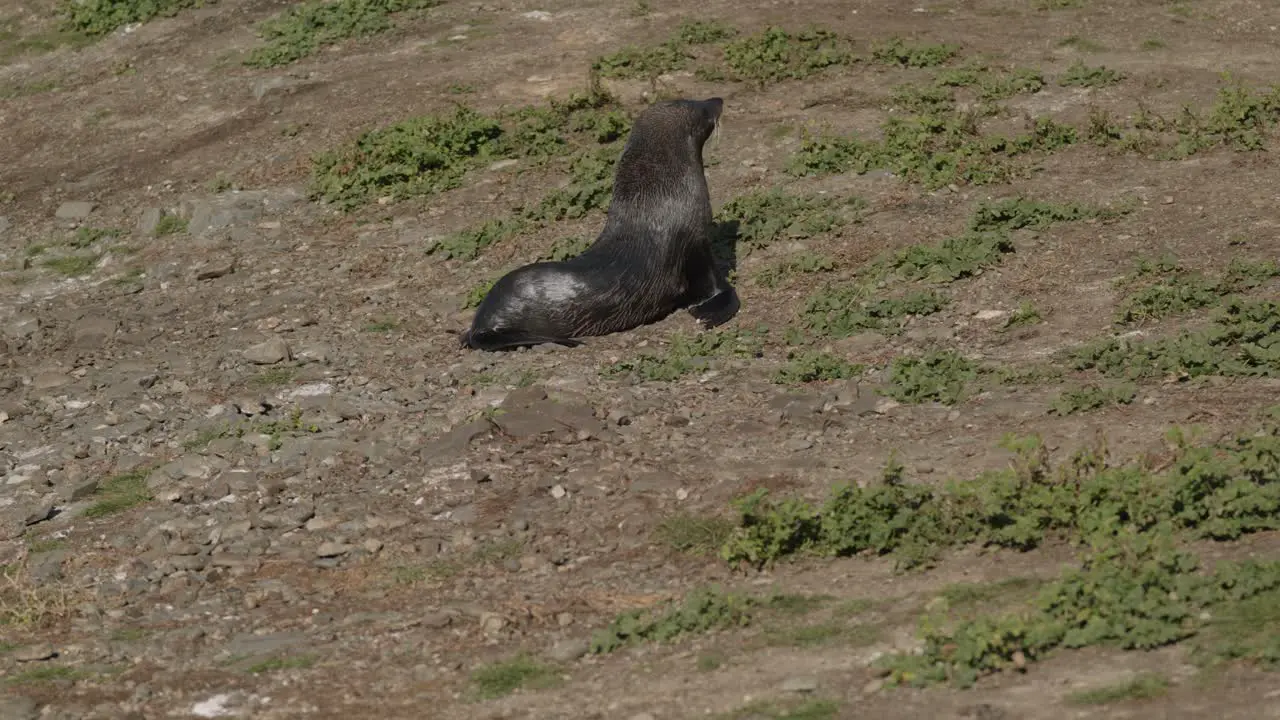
x: 714, y: 106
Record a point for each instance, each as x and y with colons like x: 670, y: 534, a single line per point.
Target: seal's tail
x: 505, y: 339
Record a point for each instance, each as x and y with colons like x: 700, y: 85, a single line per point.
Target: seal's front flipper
x: 717, y: 309
x: 494, y: 340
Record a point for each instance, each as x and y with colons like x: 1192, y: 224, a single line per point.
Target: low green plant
x: 896, y: 51
x: 119, y: 493
x: 774, y: 55
x: 703, y: 610
x: 305, y: 28
x: 942, y: 376
x: 72, y: 265
x: 1144, y: 686
x: 762, y: 218
x: 470, y: 243
x: 1165, y: 288
x: 845, y: 309
x: 1081, y: 75
x: 695, y: 534
x: 814, y: 366
x: 170, y: 224
x: 802, y: 263
x: 281, y: 663
x: 934, y: 149
x: 688, y: 354
x: 95, y: 18
x: 505, y: 677
x: 1092, y: 397
x: 1217, y: 491
x: 1242, y: 340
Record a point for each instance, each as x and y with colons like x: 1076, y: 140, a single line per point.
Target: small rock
x: 332, y: 549
x: 873, y: 686
x: 148, y: 221
x: 21, y: 326
x: 372, y: 545
x: 19, y: 707
x: 269, y: 352
x: 216, y: 269
x: 558, y: 491
x: 39, y: 512
x: 49, y: 379
x: 991, y: 314
x: 568, y: 650
x: 437, y: 620
x: 801, y: 684
x: 34, y: 653
x: 884, y: 405
x: 74, y: 210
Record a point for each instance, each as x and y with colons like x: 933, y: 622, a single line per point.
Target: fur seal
x: 652, y: 258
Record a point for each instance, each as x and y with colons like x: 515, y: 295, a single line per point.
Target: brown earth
x: 451, y: 546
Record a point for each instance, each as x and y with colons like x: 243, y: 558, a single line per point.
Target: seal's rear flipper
x: 717, y: 309
x: 493, y: 340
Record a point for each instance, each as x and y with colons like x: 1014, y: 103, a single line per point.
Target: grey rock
x: 148, y: 221
x: 74, y: 210
x: 38, y: 512
x: 800, y: 684
x: 4, y: 225
x: 93, y: 331
x: 21, y: 326
x: 19, y: 707
x: 216, y: 269
x: 268, y: 352
x: 569, y: 650
x: 75, y: 489
x: 34, y: 653
x: 332, y: 549
x: 49, y: 379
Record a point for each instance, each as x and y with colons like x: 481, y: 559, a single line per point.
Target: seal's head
x: 663, y: 124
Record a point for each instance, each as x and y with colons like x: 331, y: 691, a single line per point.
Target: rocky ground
x: 248, y: 472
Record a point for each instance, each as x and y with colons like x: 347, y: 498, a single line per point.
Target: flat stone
x: 269, y: 352
x: 21, y: 326
x: 148, y: 221
x: 801, y: 684
x: 34, y: 653
x: 332, y: 549
x: 19, y: 707
x: 75, y: 210
x: 216, y: 269
x: 569, y: 650
x: 49, y: 379
x: 93, y: 331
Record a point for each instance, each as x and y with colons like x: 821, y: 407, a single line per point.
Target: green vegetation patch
x: 1145, y: 686
x: 896, y: 51
x: 943, y: 376
x: 1081, y: 75
x: 689, y: 354
x: 813, y: 366
x: 802, y: 263
x: 505, y: 677
x: 702, y: 610
x: 1093, y: 397
x: 307, y: 27
x: 759, y: 219
x: 774, y: 55
x: 1242, y: 340
x: 1219, y: 491
x: 95, y: 18
x: 428, y: 154
x: 119, y: 493
x: 1162, y: 288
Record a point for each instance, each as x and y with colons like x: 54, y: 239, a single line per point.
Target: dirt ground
x: 368, y: 544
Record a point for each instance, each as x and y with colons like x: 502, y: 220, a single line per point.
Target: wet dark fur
x: 652, y: 258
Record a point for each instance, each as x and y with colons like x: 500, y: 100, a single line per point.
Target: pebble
x: 34, y: 653
x: 332, y: 549
x: 74, y: 210
x: 268, y: 352
x: 569, y: 650
x: 800, y: 684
